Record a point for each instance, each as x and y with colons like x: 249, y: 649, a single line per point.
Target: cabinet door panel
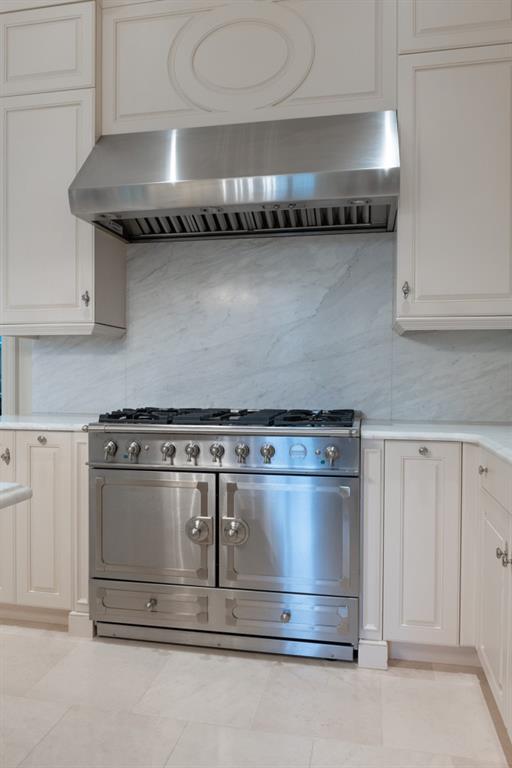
x: 455, y: 230
x: 205, y: 65
x: 422, y: 542
x: 425, y: 25
x: 7, y: 522
x: 46, y: 254
x: 43, y: 524
x: 47, y: 49
x: 493, y: 638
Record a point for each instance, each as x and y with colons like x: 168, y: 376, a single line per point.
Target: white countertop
x: 13, y: 493
x: 49, y: 422
x: 495, y: 438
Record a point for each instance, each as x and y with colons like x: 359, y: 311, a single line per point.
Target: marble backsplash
x: 293, y: 322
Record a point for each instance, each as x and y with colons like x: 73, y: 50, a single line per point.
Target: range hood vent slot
x: 360, y: 216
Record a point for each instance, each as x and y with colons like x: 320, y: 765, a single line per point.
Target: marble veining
x: 293, y: 322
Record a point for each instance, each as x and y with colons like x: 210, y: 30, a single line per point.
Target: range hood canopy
x: 307, y: 175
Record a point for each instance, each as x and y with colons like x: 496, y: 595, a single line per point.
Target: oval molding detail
x: 241, y: 56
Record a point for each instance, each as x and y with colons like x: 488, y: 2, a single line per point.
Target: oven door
x: 289, y: 534
x: 153, y: 526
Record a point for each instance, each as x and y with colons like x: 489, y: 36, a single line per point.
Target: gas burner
x: 338, y: 418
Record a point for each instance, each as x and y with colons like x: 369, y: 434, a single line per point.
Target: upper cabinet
x: 427, y: 25
x: 454, y: 257
x: 174, y: 63
x: 47, y: 49
x: 55, y: 272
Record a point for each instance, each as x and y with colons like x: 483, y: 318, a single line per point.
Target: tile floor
x: 70, y: 703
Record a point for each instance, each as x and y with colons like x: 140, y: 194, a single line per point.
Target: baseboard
x: 373, y: 654
x: 80, y: 625
x: 33, y: 615
x: 435, y: 654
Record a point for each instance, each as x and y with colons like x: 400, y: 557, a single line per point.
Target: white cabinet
x: 494, y: 639
x: 425, y: 25
x: 44, y: 522
x: 47, y: 49
x: 174, y: 63
x: 80, y: 506
x: 454, y: 247
x: 422, y: 542
x: 56, y: 275
x: 7, y: 522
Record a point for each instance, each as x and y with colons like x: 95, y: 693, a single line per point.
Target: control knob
x: 242, y: 452
x: 133, y: 450
x: 267, y: 451
x: 110, y: 449
x: 331, y: 454
x: 217, y: 451
x: 168, y: 450
x: 192, y: 451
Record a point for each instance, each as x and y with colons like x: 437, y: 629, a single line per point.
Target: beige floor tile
x: 342, y: 703
x: 329, y: 753
x: 211, y: 746
x: 94, y: 738
x: 23, y: 722
x: 98, y: 674
x: 440, y: 717
x: 220, y: 689
x: 26, y: 657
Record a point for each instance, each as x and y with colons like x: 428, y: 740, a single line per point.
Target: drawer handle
x: 42, y: 439
x: 482, y: 470
x: 6, y: 456
x: 235, y: 532
x: 151, y: 603
x: 286, y: 616
x: 423, y: 451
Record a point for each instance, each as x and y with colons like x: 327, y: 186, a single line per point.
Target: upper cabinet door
x: 454, y: 226
x: 176, y: 63
x: 47, y: 49
x: 46, y: 254
x: 427, y: 25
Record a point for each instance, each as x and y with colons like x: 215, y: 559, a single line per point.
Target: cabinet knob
x: 503, y: 556
x: 151, y: 603
x: 482, y: 470
x: 6, y: 456
x: 86, y: 298
x: 423, y: 451
x: 406, y: 289
x: 286, y: 616
x: 42, y: 439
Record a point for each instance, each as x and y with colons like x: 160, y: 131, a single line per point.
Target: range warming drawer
x: 242, y: 612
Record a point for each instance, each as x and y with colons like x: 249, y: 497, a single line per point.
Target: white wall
x: 292, y: 322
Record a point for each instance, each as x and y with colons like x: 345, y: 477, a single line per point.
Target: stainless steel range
x: 234, y: 529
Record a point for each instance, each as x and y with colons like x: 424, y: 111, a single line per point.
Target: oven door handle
x: 199, y: 529
x: 234, y: 531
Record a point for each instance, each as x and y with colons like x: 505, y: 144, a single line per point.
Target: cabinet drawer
x: 48, y: 49
x: 306, y: 617
x: 496, y: 478
x: 151, y: 605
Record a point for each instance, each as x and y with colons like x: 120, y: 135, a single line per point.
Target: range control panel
x: 218, y: 452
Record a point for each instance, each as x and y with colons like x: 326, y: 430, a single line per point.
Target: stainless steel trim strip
x: 226, y: 429
x: 229, y: 642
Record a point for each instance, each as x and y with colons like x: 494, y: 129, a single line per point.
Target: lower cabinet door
x: 495, y: 595
x: 44, y: 522
x: 7, y: 522
x: 422, y: 542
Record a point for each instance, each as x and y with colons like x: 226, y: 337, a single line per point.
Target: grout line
x: 186, y: 723
x: 43, y: 737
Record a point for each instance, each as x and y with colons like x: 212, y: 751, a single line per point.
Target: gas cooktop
x: 226, y: 417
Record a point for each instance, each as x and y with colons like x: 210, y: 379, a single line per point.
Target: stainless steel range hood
x: 311, y: 175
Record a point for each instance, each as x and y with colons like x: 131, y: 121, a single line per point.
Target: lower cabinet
x: 44, y: 522
x: 422, y: 512
x: 494, y: 637
x: 7, y: 522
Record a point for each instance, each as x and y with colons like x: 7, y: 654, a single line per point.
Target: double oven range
x: 232, y: 529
